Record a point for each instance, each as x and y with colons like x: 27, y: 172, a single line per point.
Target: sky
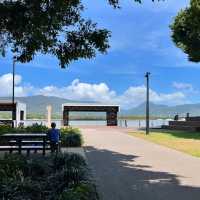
x: 140, y: 42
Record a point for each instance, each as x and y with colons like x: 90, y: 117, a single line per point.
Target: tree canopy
x: 56, y: 27
x: 186, y: 30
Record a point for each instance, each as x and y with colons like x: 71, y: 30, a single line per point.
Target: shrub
x: 71, y: 137
x: 22, y: 189
x: 12, y: 166
x: 5, y: 129
x: 50, y: 178
x: 70, y: 160
x: 71, y: 130
x: 36, y: 128
x: 18, y: 130
x: 73, y: 166
x: 83, y: 191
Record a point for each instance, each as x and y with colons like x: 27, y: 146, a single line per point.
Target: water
x: 122, y: 123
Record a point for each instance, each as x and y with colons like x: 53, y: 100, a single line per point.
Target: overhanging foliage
x: 186, y: 30
x: 54, y: 27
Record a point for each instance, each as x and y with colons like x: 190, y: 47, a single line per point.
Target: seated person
x: 54, y: 137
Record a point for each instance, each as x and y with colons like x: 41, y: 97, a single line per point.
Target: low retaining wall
x: 185, y: 123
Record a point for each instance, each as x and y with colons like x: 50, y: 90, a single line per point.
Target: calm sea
x: 122, y: 123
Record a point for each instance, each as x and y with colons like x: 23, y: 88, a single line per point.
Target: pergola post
x: 65, y: 117
x: 111, y: 117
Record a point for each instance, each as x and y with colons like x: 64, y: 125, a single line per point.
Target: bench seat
x: 23, y: 148
x: 28, y: 142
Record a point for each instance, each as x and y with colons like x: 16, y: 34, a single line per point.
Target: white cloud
x: 6, y: 86
x: 134, y: 96
x: 81, y: 91
x: 183, y: 86
x: 100, y: 92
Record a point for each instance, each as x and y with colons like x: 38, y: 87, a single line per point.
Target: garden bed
x: 57, y: 177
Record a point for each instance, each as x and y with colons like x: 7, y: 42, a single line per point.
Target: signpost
x: 49, y: 110
x: 147, y: 102
x: 13, y: 95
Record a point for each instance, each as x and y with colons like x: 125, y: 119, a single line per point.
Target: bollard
x: 126, y: 123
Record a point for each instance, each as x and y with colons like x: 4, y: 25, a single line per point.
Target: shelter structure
x: 111, y: 111
x: 19, y: 110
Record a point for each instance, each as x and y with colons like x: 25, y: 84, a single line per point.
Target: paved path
x: 129, y: 168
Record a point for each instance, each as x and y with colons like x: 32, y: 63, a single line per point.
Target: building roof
x: 86, y: 107
x: 9, y: 103
x: 90, y: 104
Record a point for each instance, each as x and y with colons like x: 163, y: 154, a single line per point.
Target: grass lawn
x: 188, y: 142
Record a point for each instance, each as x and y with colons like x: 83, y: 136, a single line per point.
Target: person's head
x: 53, y: 125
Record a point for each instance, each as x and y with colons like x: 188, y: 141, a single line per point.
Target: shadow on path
x: 118, y: 178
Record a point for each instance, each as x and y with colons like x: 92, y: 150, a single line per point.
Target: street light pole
x: 147, y: 102
x: 13, y: 93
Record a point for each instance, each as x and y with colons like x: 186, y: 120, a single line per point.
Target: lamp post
x: 147, y: 102
x: 13, y: 93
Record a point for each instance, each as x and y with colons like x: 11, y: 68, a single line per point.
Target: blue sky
x: 140, y: 42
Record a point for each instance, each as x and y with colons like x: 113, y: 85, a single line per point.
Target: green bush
x: 8, y: 129
x: 36, y: 128
x: 11, y: 166
x: 50, y: 178
x: 71, y: 137
x: 70, y: 160
x: 71, y: 130
x: 5, y: 129
x: 18, y: 130
x: 83, y: 191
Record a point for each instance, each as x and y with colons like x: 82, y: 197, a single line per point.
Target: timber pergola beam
x: 111, y: 111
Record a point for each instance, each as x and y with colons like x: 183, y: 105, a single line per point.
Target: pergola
x: 18, y: 108
x: 111, y: 111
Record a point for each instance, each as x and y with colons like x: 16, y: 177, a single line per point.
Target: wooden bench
x: 19, y: 142
x: 31, y: 143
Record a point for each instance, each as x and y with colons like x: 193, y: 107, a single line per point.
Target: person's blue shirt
x: 54, y: 135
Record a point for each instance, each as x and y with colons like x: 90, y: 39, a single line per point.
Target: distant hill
x: 37, y: 105
x: 164, y: 111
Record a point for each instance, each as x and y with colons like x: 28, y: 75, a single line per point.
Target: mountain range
x: 37, y: 105
x: 164, y: 110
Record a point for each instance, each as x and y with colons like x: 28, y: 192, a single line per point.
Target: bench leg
x: 43, y: 152
x: 35, y: 151
x: 10, y: 151
x: 28, y: 152
x: 59, y: 147
x: 20, y: 146
x: 44, y: 144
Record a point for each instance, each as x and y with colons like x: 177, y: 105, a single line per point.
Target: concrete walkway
x: 129, y: 168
